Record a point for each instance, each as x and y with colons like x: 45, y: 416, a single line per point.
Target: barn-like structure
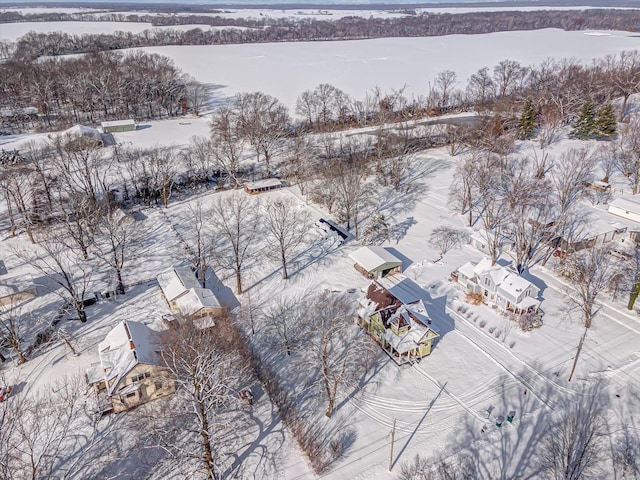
x: 376, y: 262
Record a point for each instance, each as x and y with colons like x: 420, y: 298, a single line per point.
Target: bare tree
x: 463, y: 186
x: 481, y: 88
x: 200, y: 221
x: 226, y: 138
x: 461, y: 468
x: 628, y: 153
x: 237, y: 227
x: 209, y: 367
x: 78, y: 217
x: 163, y: 173
x: 445, y: 238
x: 626, y: 455
x: 46, y: 423
x: 288, y: 226
x: 444, y: 84
x: 506, y: 75
x: 263, y: 121
x: 336, y: 346
x: 284, y: 323
x: 621, y: 76
x: 490, y: 205
x: 591, y: 271
x: 117, y: 233
x: 569, y: 176
x: 81, y: 166
x: 572, y: 448
x: 17, y: 187
x: 198, y: 158
x: 301, y: 161
x: 59, y: 265
x: 12, y: 330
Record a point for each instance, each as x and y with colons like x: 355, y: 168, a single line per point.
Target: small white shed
x: 114, y: 126
x: 625, y: 208
x: 376, y: 262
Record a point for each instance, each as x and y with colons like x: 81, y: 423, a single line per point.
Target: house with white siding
x: 499, y: 286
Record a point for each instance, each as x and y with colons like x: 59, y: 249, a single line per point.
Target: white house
x: 499, y: 286
x: 376, y: 262
x: 625, y: 208
x: 184, y: 294
x: 479, y: 240
x: 129, y: 372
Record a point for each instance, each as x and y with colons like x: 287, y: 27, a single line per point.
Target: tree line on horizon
x: 33, y: 44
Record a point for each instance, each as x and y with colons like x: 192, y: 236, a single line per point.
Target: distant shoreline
x: 173, y: 6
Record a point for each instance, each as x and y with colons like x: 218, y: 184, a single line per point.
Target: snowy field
x: 285, y: 70
x: 439, y: 403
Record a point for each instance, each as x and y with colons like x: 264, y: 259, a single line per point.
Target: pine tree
x: 606, y: 121
x: 585, y: 126
x: 528, y: 121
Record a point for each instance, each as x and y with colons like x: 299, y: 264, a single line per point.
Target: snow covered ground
x: 440, y: 404
x: 285, y: 70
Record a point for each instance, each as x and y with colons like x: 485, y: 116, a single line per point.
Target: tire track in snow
x: 533, y: 380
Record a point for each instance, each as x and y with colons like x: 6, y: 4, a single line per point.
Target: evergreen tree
x: 585, y: 126
x: 606, y: 121
x: 528, y: 120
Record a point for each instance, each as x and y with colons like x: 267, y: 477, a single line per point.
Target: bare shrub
x: 474, y: 298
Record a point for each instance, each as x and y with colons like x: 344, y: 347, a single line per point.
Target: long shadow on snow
x: 512, y: 450
x: 314, y: 253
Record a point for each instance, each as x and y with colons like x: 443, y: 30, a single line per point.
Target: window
x: 129, y: 395
x: 158, y: 385
x: 140, y: 377
x: 487, y: 281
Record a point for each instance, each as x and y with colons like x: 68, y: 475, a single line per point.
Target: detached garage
x: 376, y: 262
x: 625, y: 208
x: 116, y: 126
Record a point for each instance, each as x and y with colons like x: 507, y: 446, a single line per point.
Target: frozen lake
x: 284, y: 70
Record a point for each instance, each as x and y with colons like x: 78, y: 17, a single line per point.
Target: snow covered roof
x: 625, y: 204
x: 527, y: 302
x: 372, y: 258
x: 513, y: 285
x: 496, y: 272
x: 82, y: 131
x: 177, y: 281
x: 118, y: 123
x: 266, y: 183
x: 124, y: 347
x: 402, y: 288
x: 467, y: 270
x: 407, y: 341
x: 509, y: 283
x: 195, y: 299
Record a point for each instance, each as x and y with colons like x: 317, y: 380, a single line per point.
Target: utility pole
x: 393, y: 434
